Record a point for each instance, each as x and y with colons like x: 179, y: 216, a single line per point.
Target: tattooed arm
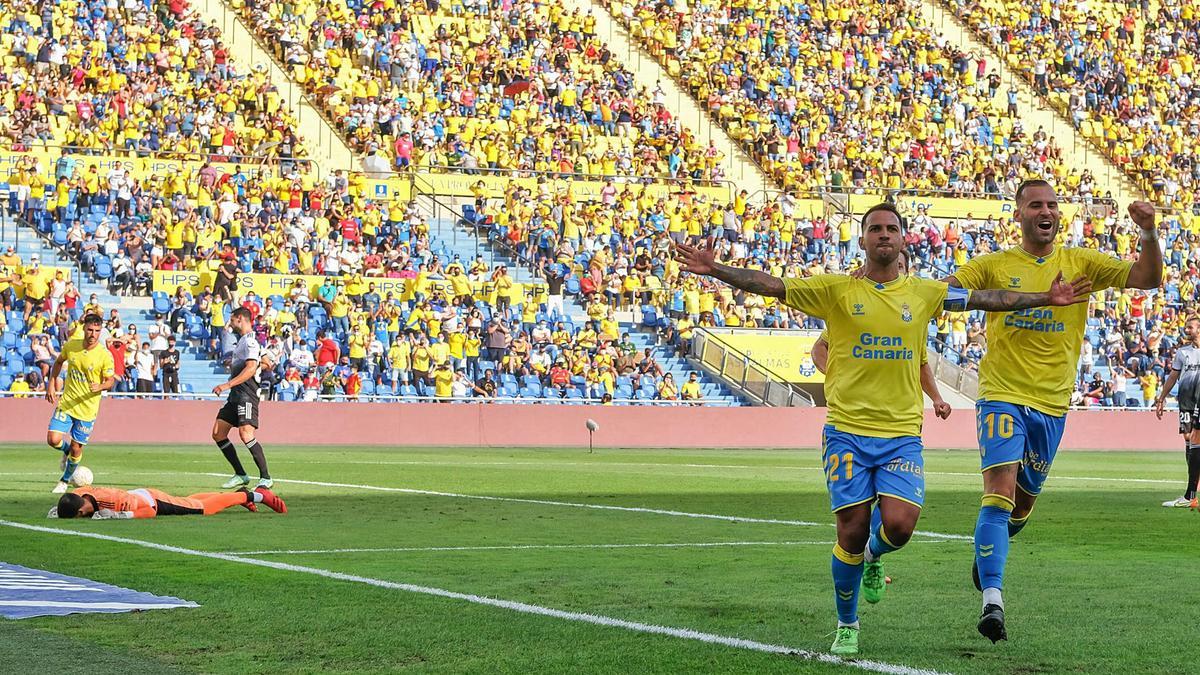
x: 1060, y: 294
x: 703, y: 261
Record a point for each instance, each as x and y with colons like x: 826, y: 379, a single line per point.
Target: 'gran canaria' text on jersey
x: 885, y: 347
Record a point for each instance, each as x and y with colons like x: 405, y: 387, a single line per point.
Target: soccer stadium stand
x: 266, y: 225
x: 848, y: 94
x: 460, y: 89
x: 102, y: 76
x: 1123, y: 75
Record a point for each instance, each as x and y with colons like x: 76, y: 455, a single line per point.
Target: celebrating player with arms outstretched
x: 1026, y: 377
x: 1185, y: 369
x: 89, y: 374
x: 241, y: 408
x: 877, y: 327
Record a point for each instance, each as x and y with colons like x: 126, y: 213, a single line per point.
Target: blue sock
x: 991, y: 540
x: 65, y: 446
x: 1015, y: 525
x: 878, y: 544
x: 847, y: 578
x: 72, y: 462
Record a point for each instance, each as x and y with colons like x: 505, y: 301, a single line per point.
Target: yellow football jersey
x: 84, y: 367
x: 876, y: 335
x: 1032, y: 353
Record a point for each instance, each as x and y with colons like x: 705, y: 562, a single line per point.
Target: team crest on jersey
x: 858, y: 309
x: 905, y: 314
x: 1014, y: 282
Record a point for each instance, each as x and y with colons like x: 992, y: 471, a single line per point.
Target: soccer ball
x: 82, y: 477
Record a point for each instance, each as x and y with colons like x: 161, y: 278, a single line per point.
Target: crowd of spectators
x: 149, y: 77
x: 1123, y: 72
x: 518, y: 86
x: 270, y: 223
x: 845, y: 93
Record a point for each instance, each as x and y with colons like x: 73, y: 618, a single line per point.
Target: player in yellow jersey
x: 90, y: 373
x: 872, y: 441
x: 1026, y: 377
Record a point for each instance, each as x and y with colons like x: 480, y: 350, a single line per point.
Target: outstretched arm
x: 1060, y: 294
x: 1147, y: 270
x: 703, y: 261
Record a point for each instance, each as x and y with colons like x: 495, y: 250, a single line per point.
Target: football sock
x: 230, y: 453
x: 72, y: 462
x: 256, y: 497
x: 1015, y: 525
x: 878, y: 544
x: 65, y: 446
x: 847, y: 577
x: 991, y: 540
x: 1193, y: 465
x: 260, y: 459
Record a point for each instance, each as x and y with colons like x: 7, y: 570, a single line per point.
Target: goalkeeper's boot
x: 249, y: 501
x: 60, y: 488
x: 845, y: 641
x: 265, y: 483
x: 991, y: 623
x: 873, y: 581
x: 271, y: 500
x: 236, y: 482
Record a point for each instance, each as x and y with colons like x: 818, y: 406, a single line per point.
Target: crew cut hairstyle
x: 1026, y: 184
x: 884, y: 206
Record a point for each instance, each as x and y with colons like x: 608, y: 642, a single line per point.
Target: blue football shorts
x: 1012, y: 434
x: 79, y: 430
x: 860, y: 468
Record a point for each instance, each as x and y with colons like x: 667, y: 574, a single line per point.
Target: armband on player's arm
x: 956, y: 299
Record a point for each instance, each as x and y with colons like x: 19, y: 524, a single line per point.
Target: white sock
x: 257, y: 496
x: 868, y: 556
x: 842, y: 624
x: 991, y: 596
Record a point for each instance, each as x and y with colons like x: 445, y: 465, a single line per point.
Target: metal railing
x: 747, y: 376
x: 963, y: 380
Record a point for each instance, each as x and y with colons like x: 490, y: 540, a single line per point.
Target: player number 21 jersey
x: 876, y: 334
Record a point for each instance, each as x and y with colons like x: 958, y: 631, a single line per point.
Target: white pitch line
x: 511, y: 605
x: 548, y: 547
x: 581, y: 505
x: 549, y: 465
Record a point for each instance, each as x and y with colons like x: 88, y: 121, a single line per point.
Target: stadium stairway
x: 1078, y: 152
x: 196, y: 371
x: 739, y: 167
x: 667, y: 357
x: 457, y: 239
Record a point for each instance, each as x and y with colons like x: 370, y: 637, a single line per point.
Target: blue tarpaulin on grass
x: 26, y: 593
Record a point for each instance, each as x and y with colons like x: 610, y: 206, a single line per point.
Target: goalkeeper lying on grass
x: 104, y: 503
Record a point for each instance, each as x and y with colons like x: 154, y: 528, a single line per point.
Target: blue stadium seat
x: 162, y: 302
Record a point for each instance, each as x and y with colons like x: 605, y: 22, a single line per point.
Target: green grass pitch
x: 1101, y: 581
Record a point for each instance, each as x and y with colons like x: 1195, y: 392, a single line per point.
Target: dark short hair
x: 93, y: 319
x: 1026, y: 184
x: 242, y: 312
x: 69, y: 505
x: 884, y: 206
